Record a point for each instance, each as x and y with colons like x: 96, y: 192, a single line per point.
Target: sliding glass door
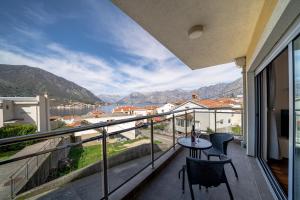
x: 272, y: 109
x: 296, y: 167
x: 277, y: 91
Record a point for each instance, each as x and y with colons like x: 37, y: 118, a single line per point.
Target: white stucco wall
x: 165, y: 108
x: 129, y: 134
x: 34, y: 110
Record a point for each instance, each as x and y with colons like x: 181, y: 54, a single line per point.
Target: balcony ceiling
x: 228, y: 27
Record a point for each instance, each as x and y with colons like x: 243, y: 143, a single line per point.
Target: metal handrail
x: 50, y: 134
x: 28, y: 162
x: 101, y: 129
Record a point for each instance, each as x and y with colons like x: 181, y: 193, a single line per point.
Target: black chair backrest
x: 220, y: 141
x: 205, y: 172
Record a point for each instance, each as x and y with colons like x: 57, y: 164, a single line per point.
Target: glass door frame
x: 259, y: 126
x: 285, y: 42
x: 292, y: 125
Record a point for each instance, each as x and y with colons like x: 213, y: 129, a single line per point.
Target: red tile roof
x: 74, y: 124
x: 215, y: 103
x: 124, y: 108
x: 96, y: 113
x: 69, y: 117
x: 151, y: 107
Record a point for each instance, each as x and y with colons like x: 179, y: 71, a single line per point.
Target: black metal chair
x: 206, y: 173
x: 219, y: 147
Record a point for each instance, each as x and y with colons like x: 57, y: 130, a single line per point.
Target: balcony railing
x: 214, y: 120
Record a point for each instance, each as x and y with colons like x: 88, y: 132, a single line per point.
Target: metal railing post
x: 12, y: 195
x: 185, y: 124
x: 152, y: 144
x: 215, y: 121
x: 242, y: 126
x: 104, y: 157
x: 173, y: 123
x: 194, y: 113
x: 27, y: 171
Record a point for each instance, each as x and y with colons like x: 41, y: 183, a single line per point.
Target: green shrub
x: 236, y: 130
x: 209, y: 130
x: 159, y: 126
x: 16, y: 130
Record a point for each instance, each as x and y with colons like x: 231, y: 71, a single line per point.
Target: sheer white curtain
x: 274, y: 151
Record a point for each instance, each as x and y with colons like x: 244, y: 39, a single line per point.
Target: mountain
x: 231, y: 89
x: 157, y: 97
x: 21, y: 80
x: 110, y: 98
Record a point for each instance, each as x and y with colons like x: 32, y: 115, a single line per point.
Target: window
x: 221, y: 121
x: 197, y: 124
x: 180, y: 122
x: 229, y: 121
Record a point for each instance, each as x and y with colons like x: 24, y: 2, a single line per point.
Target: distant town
x: 37, y: 110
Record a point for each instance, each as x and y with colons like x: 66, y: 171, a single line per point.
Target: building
x: 165, y: 108
x: 69, y: 119
x: 151, y: 109
x: 262, y: 38
x: 212, y: 114
x: 96, y: 113
x: 33, y: 110
x: 108, y: 118
x: 140, y: 112
x: 124, y: 110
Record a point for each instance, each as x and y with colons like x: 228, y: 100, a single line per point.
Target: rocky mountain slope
x: 21, y: 80
x: 110, y: 98
x: 231, y: 89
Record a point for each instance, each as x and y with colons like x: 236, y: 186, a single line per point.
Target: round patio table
x: 194, y: 147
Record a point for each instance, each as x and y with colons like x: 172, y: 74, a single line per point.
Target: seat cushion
x: 212, y: 152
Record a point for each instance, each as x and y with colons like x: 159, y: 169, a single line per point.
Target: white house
x: 107, y: 118
x: 205, y: 118
x: 34, y: 110
x: 139, y: 112
x: 165, y: 108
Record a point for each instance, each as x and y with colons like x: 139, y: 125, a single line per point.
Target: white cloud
x: 152, y: 66
x: 98, y: 76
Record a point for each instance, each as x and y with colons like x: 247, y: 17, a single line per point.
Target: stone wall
x: 50, y: 163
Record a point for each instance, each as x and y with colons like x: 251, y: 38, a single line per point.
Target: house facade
x: 32, y: 110
x: 165, y: 108
x: 108, y: 118
x: 212, y: 115
x: 124, y: 110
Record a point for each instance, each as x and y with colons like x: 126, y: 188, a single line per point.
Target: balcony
x: 146, y: 169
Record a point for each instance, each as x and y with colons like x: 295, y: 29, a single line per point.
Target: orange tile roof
x: 124, y: 108
x: 69, y: 117
x: 215, y: 103
x: 151, y: 107
x: 74, y: 124
x: 96, y: 113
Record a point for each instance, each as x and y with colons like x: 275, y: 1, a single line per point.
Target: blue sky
x: 94, y: 44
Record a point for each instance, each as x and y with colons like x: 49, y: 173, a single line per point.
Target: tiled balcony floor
x: 250, y: 186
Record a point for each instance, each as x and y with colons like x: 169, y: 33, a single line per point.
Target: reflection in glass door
x: 296, y: 58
